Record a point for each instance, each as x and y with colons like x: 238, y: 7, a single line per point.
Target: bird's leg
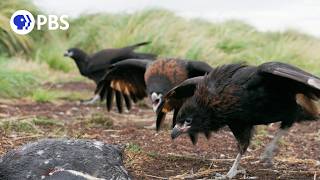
x: 152, y: 126
x: 234, y: 169
x: 243, y: 135
x: 268, y: 153
x: 94, y: 99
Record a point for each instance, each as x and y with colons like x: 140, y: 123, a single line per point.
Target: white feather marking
x: 40, y: 152
x: 98, y: 145
x: 314, y: 82
x: 87, y: 176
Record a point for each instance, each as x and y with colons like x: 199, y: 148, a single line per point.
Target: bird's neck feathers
x: 213, y: 122
x: 207, y: 119
x: 217, y: 91
x: 79, y: 55
x: 159, y: 84
x: 82, y: 66
x: 217, y: 105
x: 80, y: 58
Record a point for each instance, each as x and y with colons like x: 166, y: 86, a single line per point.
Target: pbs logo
x: 22, y: 22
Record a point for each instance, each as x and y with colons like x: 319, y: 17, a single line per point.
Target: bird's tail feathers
x: 308, y: 105
x: 140, y: 44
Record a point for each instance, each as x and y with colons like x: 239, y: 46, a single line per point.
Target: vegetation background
x: 27, y: 61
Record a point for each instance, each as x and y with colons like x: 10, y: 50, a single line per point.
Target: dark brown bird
x: 135, y: 79
x: 95, y: 66
x: 240, y: 97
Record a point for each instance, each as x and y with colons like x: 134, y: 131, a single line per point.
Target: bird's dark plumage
x: 240, y: 97
x: 95, y: 66
x: 138, y: 78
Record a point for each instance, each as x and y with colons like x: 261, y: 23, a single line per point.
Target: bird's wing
x: 175, y: 100
x: 132, y: 47
x: 104, y: 58
x: 125, y: 80
x: 198, y: 68
x: 179, y: 93
x: 302, y: 82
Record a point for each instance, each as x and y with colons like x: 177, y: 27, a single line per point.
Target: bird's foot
x: 152, y: 126
x: 231, y: 174
x: 87, y: 102
x: 266, y: 161
x: 267, y: 156
x: 90, y: 101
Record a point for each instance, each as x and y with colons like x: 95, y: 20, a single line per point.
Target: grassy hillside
x: 172, y: 36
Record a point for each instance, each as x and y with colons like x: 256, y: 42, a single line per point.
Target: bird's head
x: 74, y: 53
x: 156, y: 99
x: 192, y: 119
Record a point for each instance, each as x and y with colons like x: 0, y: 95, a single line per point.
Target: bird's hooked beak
x: 68, y: 54
x: 156, y: 101
x: 179, y: 129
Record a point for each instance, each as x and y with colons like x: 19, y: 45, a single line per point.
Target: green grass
x: 51, y: 52
x: 27, y: 125
x: 43, y: 95
x: 171, y: 36
x: 99, y: 120
x: 135, y: 148
x: 14, y: 83
x: 46, y: 122
x: 10, y: 42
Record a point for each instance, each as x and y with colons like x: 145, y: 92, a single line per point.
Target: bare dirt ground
x: 153, y: 155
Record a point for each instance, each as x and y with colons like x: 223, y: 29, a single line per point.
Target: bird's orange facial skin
x: 173, y: 69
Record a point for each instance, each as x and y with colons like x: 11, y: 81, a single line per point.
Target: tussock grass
x: 10, y: 42
x: 14, y: 83
x: 171, y: 36
x: 215, y: 43
x: 27, y: 124
x: 135, y: 148
x: 43, y: 95
x: 99, y: 120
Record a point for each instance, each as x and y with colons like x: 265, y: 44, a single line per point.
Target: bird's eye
x: 188, y: 121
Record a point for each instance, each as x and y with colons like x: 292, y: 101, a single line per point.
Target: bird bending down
x: 135, y: 79
x: 94, y: 66
x: 241, y: 96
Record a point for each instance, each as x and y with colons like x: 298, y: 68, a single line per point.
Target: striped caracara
x: 94, y: 66
x: 135, y: 79
x: 240, y: 97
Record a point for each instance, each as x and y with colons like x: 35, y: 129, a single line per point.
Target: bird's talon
x: 267, y: 164
x: 218, y: 176
x: 86, y: 102
x: 266, y: 161
x: 153, y: 126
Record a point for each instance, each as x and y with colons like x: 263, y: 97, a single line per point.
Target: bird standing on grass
x: 241, y: 96
x: 94, y: 66
x: 135, y: 79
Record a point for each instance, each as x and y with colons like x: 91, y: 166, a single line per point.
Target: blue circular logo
x: 22, y: 22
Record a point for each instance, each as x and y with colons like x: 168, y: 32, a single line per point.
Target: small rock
x: 74, y: 109
x: 222, y: 156
x: 63, y: 159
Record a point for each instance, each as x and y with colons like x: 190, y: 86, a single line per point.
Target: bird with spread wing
x: 94, y: 66
x: 135, y: 79
x: 241, y: 96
